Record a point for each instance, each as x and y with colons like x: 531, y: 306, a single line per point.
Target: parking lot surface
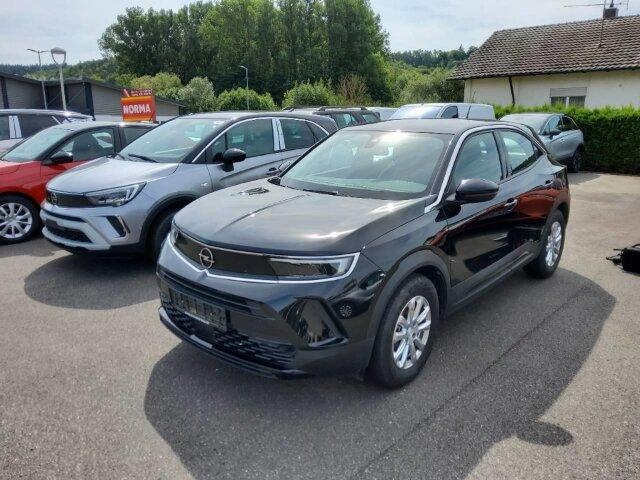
x: 538, y: 379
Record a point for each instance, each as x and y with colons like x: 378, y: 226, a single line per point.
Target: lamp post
x: 246, y: 77
x: 44, y: 95
x: 63, y: 54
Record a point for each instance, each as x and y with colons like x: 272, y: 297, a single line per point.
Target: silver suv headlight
x: 114, y: 196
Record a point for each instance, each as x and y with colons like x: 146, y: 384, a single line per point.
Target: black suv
x: 343, y: 116
x: 351, y: 258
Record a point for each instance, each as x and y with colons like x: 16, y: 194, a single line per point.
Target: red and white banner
x: 138, y: 105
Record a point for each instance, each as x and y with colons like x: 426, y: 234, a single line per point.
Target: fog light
x: 345, y: 310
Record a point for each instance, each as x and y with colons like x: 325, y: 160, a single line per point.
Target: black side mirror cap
x: 475, y: 190
x: 60, y: 157
x: 231, y: 156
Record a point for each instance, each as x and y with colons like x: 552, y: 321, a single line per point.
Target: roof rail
x: 328, y: 107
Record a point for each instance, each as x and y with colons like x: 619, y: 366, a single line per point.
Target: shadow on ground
x: 496, y: 369
x: 92, y: 283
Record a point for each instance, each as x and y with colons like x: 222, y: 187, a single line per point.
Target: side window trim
x: 17, y: 131
x: 502, y: 153
x: 278, y: 136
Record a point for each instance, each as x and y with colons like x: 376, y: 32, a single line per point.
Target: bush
x: 311, y: 94
x: 236, y: 99
x: 353, y: 89
x: 432, y: 87
x: 612, y: 135
x: 164, y: 84
x: 198, y: 95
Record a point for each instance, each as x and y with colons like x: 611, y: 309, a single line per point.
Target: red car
x: 27, y: 167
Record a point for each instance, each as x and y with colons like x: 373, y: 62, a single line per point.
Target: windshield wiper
x: 142, y: 157
x: 327, y: 192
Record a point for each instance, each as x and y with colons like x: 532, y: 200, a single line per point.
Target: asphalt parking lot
x: 539, y: 379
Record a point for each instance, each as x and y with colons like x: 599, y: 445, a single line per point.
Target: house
x: 590, y: 63
x: 92, y: 97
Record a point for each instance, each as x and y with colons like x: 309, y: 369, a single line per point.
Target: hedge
x: 236, y: 99
x: 612, y: 135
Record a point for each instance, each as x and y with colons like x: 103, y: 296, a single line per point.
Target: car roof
x: 451, y: 126
x: 78, y: 126
x: 40, y: 111
x: 535, y: 114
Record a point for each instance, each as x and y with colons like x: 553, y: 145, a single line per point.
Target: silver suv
x: 125, y: 204
x: 558, y: 132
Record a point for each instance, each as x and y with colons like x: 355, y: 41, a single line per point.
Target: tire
x: 545, y: 264
x: 19, y: 219
x: 384, y: 369
x: 159, y: 232
x: 574, y: 163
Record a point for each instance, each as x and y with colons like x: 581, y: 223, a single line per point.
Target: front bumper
x: 96, y: 229
x: 278, y: 330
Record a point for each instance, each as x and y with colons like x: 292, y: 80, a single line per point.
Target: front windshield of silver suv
x: 172, y: 141
x: 370, y: 164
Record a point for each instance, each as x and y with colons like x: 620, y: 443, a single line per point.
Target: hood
x: 8, y: 167
x: 263, y: 217
x: 109, y: 173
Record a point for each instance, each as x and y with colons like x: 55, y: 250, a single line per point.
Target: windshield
x: 370, y: 164
x: 36, y: 145
x: 173, y: 141
x: 534, y: 121
x: 416, y: 111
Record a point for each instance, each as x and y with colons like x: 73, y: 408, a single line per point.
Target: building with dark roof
x: 99, y: 99
x: 591, y: 63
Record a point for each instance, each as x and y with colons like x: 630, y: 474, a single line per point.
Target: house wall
x: 24, y: 94
x: 618, y: 88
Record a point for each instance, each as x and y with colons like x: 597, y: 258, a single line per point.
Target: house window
x: 566, y: 97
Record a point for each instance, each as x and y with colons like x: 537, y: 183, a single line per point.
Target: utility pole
x: 44, y: 94
x: 246, y: 77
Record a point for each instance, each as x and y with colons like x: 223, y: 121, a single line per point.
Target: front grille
x: 263, y: 352
x: 225, y: 260
x: 71, y: 200
x: 69, y: 234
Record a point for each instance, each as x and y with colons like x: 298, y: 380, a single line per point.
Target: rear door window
x: 521, y: 153
x: 255, y: 137
x: 344, y: 119
x: 30, y: 124
x: 297, y: 134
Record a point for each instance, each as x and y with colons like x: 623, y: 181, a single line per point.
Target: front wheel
x: 159, y: 233
x: 406, y: 334
x: 19, y: 219
x: 546, y: 263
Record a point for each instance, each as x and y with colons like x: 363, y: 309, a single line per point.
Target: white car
x: 17, y: 124
x: 472, y: 111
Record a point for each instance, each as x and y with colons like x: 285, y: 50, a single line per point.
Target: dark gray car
x: 558, y: 132
x: 126, y: 204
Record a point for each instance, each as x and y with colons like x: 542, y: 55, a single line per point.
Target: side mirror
x: 476, y: 190
x: 60, y: 157
x: 231, y: 156
x: 553, y: 132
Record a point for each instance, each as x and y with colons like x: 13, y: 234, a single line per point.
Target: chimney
x: 610, y: 12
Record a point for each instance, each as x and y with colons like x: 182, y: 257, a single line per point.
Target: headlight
x: 306, y: 268
x: 173, y: 234
x: 114, y: 196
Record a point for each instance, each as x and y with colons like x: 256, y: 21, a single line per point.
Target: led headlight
x: 173, y: 234
x: 114, y: 196
x: 304, y: 268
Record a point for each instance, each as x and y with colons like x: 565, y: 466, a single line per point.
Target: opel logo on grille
x: 206, y: 258
x: 53, y: 198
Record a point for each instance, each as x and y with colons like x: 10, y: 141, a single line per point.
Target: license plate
x: 206, y: 313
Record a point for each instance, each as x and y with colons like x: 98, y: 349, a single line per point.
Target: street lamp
x: 246, y: 77
x: 62, y: 56
x: 44, y: 95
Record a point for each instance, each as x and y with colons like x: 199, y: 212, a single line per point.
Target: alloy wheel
x: 411, y: 332
x: 15, y: 220
x: 554, y: 243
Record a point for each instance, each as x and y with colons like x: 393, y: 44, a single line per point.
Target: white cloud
x: 428, y: 24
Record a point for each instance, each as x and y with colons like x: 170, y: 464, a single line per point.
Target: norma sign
x: 138, y: 105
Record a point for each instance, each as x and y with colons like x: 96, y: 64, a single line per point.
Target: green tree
x: 198, y: 95
x: 310, y: 94
x: 236, y: 99
x: 163, y: 84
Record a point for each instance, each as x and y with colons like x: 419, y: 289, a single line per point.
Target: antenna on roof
x: 607, y: 12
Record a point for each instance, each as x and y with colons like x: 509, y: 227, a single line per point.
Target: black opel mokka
x: 351, y: 258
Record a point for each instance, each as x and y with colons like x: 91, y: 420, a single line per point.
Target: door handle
x: 511, y: 204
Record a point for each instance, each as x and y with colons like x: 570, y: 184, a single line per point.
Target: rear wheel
x: 575, y: 162
x: 546, y: 263
x: 159, y: 233
x: 19, y: 219
x: 406, y: 334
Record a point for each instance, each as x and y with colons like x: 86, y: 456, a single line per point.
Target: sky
x: 76, y: 25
